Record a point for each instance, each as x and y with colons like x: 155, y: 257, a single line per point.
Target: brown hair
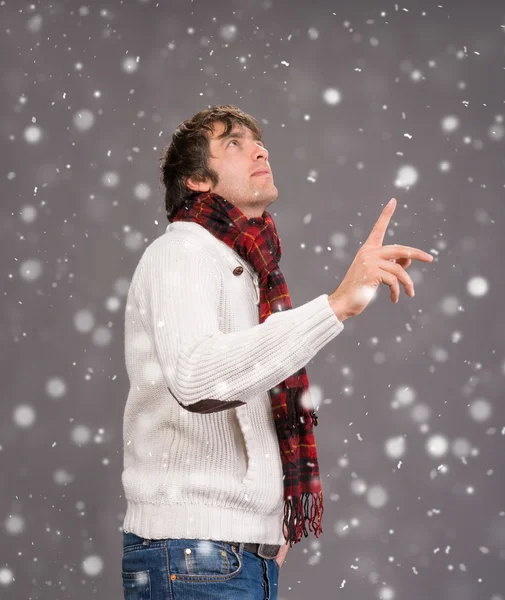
x: 189, y: 151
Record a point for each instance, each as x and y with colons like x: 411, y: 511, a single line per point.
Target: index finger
x: 376, y: 236
x: 398, y: 251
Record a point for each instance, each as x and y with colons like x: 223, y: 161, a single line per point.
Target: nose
x: 259, y: 151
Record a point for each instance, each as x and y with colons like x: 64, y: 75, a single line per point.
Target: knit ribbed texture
x: 192, y: 332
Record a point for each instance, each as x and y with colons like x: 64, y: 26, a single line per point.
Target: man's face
x: 235, y: 158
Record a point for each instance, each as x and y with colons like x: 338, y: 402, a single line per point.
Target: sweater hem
x: 197, y: 521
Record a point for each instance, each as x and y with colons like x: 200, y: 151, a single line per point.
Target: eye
x: 233, y: 141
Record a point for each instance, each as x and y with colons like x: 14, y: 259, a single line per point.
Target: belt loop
x: 238, y: 545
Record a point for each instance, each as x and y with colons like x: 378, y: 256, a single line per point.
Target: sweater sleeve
x: 205, y: 369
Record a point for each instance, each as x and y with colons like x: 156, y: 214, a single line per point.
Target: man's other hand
x: 281, y: 555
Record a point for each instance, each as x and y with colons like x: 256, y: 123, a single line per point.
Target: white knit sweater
x: 192, y: 333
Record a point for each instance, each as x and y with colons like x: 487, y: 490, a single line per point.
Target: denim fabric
x: 186, y: 569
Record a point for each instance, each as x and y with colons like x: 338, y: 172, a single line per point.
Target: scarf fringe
x: 294, y: 520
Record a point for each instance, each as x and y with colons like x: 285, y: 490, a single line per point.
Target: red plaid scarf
x: 256, y: 241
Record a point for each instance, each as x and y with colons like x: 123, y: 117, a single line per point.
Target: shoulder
x: 183, y: 241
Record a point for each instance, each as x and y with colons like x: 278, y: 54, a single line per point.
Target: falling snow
x: 358, y: 105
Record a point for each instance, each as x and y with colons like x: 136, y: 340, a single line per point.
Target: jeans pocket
x: 136, y: 585
x: 203, y: 560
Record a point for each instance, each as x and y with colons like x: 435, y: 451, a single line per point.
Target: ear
x: 197, y: 186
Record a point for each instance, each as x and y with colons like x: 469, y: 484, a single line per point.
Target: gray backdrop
x: 359, y: 102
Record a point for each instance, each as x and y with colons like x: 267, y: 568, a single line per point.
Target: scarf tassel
x: 294, y: 520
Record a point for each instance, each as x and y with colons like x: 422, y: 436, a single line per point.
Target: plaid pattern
x: 256, y: 241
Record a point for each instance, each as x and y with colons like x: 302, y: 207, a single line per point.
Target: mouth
x: 262, y: 173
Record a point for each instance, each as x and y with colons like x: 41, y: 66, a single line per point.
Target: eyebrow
x: 238, y: 134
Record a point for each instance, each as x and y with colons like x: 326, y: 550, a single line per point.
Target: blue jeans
x: 185, y: 569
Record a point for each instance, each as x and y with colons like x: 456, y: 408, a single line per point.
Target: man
x: 220, y: 464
